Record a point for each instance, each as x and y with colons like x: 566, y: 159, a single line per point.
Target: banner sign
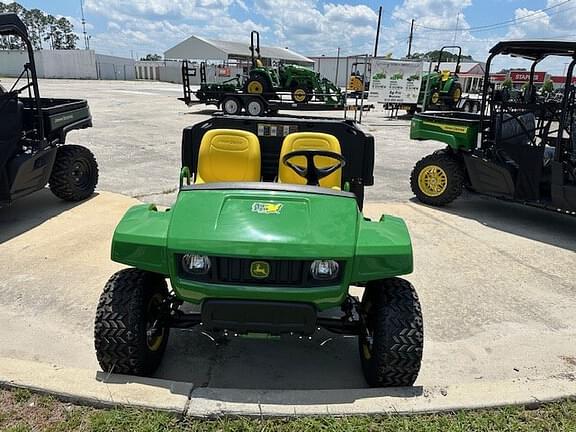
x: 395, y: 81
x: 524, y: 76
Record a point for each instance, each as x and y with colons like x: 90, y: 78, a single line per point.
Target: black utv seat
x: 517, y: 150
x: 515, y: 130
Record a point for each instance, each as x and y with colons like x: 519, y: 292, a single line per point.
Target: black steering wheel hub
x: 311, y: 172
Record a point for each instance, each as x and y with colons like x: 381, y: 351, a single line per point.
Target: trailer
x: 230, y: 97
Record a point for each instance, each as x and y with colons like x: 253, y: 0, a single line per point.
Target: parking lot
x: 497, y: 281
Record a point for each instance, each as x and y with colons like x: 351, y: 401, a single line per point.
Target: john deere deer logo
x: 259, y: 269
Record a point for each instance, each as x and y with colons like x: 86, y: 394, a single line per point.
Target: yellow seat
x: 310, y: 141
x: 445, y: 75
x: 228, y: 155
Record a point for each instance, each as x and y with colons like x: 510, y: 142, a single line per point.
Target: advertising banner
x: 395, y: 81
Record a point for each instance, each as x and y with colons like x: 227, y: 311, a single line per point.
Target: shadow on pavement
x: 30, y: 212
x: 537, y: 224
x: 326, y: 361
x: 206, y: 111
x: 237, y: 369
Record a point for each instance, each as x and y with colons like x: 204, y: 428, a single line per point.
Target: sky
x: 311, y: 27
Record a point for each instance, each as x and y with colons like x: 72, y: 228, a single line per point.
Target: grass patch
x: 22, y: 411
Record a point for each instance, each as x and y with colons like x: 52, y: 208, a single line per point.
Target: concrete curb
x: 89, y: 387
x: 104, y: 390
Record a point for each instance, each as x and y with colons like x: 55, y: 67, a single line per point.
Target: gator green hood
x: 260, y: 223
x: 263, y: 221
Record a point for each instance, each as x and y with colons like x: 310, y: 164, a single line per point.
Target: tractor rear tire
x: 74, y: 174
x: 437, y: 179
x: 131, y: 302
x: 454, y: 95
x: 392, y: 334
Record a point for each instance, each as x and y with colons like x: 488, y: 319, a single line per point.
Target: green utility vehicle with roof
x: 520, y: 147
x: 266, y: 236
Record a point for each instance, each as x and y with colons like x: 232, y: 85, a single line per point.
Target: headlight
x: 196, y: 264
x: 324, y: 269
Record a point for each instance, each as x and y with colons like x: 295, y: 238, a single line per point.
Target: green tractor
x: 266, y: 236
x: 303, y: 84
x: 442, y: 87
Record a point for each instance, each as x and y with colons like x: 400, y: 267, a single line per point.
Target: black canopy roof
x: 11, y: 24
x: 534, y: 50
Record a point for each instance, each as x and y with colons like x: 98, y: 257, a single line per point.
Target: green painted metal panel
x: 383, y: 250
x: 263, y: 224
x: 458, y: 133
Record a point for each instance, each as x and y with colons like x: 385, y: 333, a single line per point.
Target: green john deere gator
x: 266, y: 236
x: 520, y: 147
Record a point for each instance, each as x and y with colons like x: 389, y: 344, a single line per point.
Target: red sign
x: 524, y: 76
x: 223, y: 71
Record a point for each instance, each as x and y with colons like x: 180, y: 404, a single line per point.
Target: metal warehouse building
x: 197, y: 48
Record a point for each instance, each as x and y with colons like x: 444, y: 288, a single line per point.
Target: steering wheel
x: 311, y: 172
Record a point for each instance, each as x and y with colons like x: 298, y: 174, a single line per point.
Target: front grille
x: 236, y: 271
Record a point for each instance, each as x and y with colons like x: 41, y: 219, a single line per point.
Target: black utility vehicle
x: 33, y: 133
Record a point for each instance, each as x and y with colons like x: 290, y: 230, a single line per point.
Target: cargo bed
x: 457, y: 129
x: 60, y: 115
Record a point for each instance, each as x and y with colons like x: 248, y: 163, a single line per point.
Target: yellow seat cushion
x: 228, y: 155
x: 310, y: 141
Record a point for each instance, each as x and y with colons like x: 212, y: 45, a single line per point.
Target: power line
x: 499, y: 24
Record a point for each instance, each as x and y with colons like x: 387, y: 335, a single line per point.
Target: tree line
x: 44, y: 30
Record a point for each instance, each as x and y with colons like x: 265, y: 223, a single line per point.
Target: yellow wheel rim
x: 255, y: 87
x: 299, y: 95
x: 435, y: 97
x: 457, y: 94
x: 154, y: 342
x: 432, y: 181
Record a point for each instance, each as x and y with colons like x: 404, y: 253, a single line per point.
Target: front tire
x: 301, y: 94
x: 392, y: 336
x: 437, y: 179
x: 75, y: 173
x: 257, y: 85
x: 130, y: 331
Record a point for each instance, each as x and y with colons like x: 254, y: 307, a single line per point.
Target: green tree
x: 151, y: 57
x: 435, y: 55
x: 43, y: 28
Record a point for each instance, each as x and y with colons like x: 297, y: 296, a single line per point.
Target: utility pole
x: 86, y: 43
x: 377, y: 32
x: 456, y: 29
x: 410, y: 39
x: 337, y: 67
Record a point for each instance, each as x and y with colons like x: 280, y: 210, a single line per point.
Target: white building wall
x: 75, y: 64
x: 72, y: 64
x: 12, y: 62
